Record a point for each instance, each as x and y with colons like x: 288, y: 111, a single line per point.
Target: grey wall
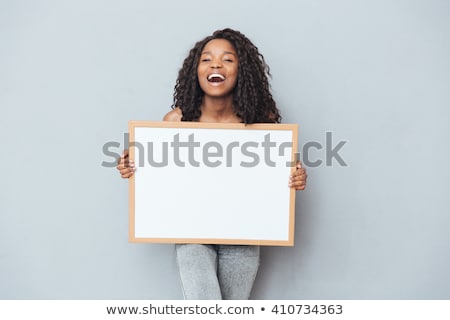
x: 374, y: 73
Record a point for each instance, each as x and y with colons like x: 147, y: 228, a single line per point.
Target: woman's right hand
x: 125, y: 166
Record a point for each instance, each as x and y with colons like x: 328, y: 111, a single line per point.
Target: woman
x: 224, y: 79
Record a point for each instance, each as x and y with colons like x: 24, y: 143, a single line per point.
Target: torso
x: 175, y: 115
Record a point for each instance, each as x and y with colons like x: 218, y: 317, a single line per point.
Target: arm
x: 125, y: 166
x: 175, y: 115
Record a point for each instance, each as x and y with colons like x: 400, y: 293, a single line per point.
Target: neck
x: 218, y: 110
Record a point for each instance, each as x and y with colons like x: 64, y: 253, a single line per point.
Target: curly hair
x: 252, y: 99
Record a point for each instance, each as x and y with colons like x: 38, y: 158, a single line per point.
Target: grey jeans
x: 217, y: 271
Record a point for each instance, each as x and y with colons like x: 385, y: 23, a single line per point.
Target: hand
x: 125, y: 166
x: 298, y: 179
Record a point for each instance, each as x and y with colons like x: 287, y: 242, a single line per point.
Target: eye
x: 205, y: 60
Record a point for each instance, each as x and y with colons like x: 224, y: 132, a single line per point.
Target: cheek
x: 236, y: 72
x: 235, y: 76
x: 203, y: 83
x: 234, y: 81
x: 202, y: 69
x: 200, y: 76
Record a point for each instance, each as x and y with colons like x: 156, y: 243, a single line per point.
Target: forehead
x: 219, y: 46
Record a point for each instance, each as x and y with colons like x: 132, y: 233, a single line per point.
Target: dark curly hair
x: 252, y: 99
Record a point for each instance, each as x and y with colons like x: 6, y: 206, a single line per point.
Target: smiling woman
x: 224, y: 79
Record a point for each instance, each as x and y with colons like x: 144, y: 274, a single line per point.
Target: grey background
x: 374, y: 73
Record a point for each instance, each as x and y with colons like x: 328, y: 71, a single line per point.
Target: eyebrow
x: 225, y: 52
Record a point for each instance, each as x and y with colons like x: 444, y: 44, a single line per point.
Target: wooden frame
x: 209, y: 201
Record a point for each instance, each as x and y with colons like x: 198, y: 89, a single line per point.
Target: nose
x: 216, y: 63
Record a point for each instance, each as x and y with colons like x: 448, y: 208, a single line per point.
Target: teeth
x: 216, y: 75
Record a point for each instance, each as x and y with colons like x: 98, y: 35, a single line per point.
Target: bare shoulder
x: 175, y: 115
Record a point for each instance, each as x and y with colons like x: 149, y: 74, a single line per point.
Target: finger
x: 299, y: 177
x: 127, y: 175
x: 299, y: 185
x: 299, y: 172
x: 121, y: 166
x: 127, y: 172
x: 126, y: 164
x: 297, y: 182
x: 124, y: 156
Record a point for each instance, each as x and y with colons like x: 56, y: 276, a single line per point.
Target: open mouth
x: 216, y: 77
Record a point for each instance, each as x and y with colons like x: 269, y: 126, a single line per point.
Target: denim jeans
x: 217, y: 271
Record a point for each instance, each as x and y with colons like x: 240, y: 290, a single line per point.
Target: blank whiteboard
x: 212, y: 183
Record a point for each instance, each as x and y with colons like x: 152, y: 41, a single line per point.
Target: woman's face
x: 218, y: 68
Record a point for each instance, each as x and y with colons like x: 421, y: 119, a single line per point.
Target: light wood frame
x: 141, y: 210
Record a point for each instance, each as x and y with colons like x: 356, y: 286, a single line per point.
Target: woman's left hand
x: 298, y: 179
